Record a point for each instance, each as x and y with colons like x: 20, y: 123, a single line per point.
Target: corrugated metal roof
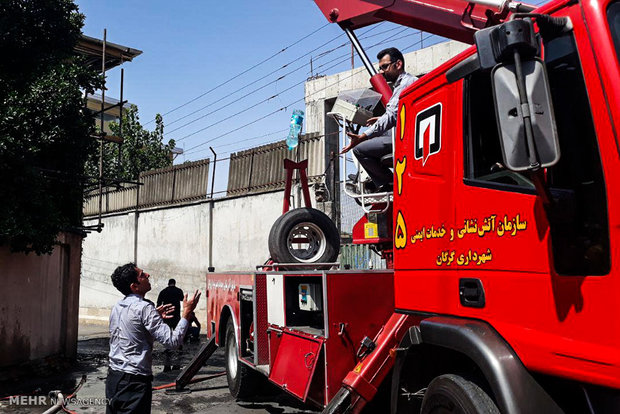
x: 262, y: 168
x: 116, y: 54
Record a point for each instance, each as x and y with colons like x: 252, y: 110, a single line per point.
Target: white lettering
x: 28, y: 400
x: 224, y: 285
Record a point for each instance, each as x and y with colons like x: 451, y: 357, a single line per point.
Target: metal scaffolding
x: 89, y: 46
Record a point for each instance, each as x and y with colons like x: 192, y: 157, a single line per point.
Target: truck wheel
x: 453, y: 394
x: 304, y: 235
x: 240, y: 377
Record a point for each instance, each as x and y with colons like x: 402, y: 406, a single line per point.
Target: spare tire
x: 304, y: 235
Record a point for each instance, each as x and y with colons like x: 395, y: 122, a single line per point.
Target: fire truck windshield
x: 613, y: 17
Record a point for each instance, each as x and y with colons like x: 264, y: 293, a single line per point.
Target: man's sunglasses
x: 385, y: 66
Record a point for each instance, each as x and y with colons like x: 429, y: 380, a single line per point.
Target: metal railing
x: 359, y: 256
x: 165, y: 186
x: 261, y: 169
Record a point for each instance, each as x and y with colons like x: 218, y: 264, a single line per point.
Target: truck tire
x: 454, y: 394
x: 322, y: 240
x: 241, y: 378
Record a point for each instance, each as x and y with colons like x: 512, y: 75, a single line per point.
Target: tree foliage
x: 44, y: 130
x: 141, y: 150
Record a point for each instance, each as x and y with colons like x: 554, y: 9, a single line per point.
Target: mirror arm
x: 525, y: 113
x: 537, y: 174
x: 542, y: 188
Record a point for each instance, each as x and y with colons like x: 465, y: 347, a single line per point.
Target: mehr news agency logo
x: 53, y: 398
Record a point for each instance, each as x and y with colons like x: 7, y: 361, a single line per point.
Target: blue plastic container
x: 297, y: 119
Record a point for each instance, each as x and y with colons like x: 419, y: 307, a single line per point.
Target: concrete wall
x: 38, y: 310
x: 173, y: 242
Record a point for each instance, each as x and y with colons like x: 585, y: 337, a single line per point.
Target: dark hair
x: 124, y: 276
x: 172, y: 282
x: 394, y: 54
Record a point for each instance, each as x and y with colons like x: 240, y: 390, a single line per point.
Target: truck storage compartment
x: 304, y: 303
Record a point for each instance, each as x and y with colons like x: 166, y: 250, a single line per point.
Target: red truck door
x: 425, y: 156
x: 546, y: 276
x: 295, y: 362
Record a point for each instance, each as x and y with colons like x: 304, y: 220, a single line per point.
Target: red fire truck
x: 503, y: 289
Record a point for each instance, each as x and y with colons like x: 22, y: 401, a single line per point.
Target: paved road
x: 210, y: 396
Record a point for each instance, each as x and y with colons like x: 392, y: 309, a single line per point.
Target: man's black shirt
x: 171, y: 295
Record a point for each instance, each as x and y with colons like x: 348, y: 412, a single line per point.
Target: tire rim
x: 232, y: 357
x: 306, y: 242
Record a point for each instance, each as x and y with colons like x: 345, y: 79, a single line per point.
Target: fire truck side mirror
x: 513, y: 116
x: 521, y: 91
x: 497, y: 44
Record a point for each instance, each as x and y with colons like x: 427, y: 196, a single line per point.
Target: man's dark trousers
x: 127, y: 393
x: 369, y: 154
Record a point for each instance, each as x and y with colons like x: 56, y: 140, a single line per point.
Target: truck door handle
x: 309, y: 360
x: 471, y: 293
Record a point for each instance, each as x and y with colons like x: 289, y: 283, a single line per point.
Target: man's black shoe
x: 370, y: 187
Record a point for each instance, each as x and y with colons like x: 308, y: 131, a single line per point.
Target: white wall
x: 174, y: 243
x: 241, y: 230
x: 101, y: 254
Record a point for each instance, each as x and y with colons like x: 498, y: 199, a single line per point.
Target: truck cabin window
x: 578, y: 220
x: 483, y: 157
x: 613, y: 17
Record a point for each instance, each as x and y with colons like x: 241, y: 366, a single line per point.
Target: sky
x: 190, y: 48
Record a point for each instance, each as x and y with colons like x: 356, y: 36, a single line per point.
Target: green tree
x: 141, y: 150
x: 44, y: 130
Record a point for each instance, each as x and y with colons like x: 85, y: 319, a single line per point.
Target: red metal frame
x: 380, y: 85
x: 290, y: 166
x: 440, y: 17
x: 370, y: 372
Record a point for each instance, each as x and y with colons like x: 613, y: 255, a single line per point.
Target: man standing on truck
x: 134, y: 325
x: 370, y: 146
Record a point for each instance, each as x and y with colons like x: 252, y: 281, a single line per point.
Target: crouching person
x: 135, y: 323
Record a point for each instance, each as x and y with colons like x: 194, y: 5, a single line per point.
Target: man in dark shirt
x: 171, y: 295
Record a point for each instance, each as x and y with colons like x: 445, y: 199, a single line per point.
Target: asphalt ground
x: 210, y: 396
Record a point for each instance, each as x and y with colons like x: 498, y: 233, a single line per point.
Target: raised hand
x: 165, y: 311
x: 190, y: 304
x: 355, y: 140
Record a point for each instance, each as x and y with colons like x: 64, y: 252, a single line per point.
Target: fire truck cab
x: 505, y: 284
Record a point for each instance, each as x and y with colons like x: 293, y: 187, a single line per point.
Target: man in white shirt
x: 135, y: 324
x: 374, y: 143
